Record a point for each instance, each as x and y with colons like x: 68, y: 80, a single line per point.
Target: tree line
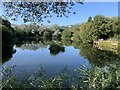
x: 100, y: 27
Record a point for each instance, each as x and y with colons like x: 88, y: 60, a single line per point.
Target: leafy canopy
x: 36, y: 11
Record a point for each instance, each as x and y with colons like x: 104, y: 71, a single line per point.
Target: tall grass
x: 96, y: 78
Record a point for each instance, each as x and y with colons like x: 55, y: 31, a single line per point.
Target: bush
x: 47, y: 35
x: 66, y: 34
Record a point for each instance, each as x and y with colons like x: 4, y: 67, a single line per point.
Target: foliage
x: 7, y: 32
x: 102, y: 27
x: 71, y: 32
x: 89, y: 19
x: 76, y: 44
x: 55, y: 27
x: 56, y: 48
x: 57, y: 35
x: 7, y: 76
x: 96, y: 56
x: 66, y: 34
x: 93, y: 78
x: 66, y: 42
x: 7, y: 53
x: 115, y: 26
x: 99, y: 78
x: 36, y: 11
x: 99, y: 28
x: 76, y: 36
x: 37, y: 31
x: 86, y: 32
x: 47, y: 35
x: 7, y: 36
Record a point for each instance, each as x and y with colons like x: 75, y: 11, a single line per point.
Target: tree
x: 66, y: 34
x: 86, y: 32
x: 57, y: 35
x: 7, y: 32
x: 76, y: 36
x: 36, y: 11
x: 96, y: 56
x: 89, y: 19
x: 101, y: 27
x: 7, y: 36
x: 55, y: 27
x: 115, y: 26
x: 47, y: 35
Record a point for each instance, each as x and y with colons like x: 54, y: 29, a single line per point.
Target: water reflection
x: 93, y: 55
x: 96, y: 56
x: 32, y: 45
x: 66, y: 42
x: 54, y: 56
x: 7, y: 53
x: 55, y: 48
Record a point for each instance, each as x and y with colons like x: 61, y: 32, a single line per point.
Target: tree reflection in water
x: 93, y: 55
x: 96, y: 56
x: 7, y: 53
x: 32, y: 45
x: 56, y: 48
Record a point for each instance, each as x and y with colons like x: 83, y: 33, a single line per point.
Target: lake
x: 53, y: 56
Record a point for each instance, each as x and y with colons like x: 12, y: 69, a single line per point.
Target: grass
x: 107, y: 44
x: 87, y: 79
x: 110, y: 45
x: 119, y: 47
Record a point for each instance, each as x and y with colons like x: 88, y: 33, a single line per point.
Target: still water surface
x: 28, y: 57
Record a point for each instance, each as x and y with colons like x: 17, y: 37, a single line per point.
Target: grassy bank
x: 119, y: 47
x: 110, y: 45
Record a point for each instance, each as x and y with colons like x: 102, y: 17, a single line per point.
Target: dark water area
x: 53, y: 56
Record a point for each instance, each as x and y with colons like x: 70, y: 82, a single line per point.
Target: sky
x: 92, y: 9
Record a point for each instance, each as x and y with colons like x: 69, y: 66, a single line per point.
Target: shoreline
x: 109, y: 45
